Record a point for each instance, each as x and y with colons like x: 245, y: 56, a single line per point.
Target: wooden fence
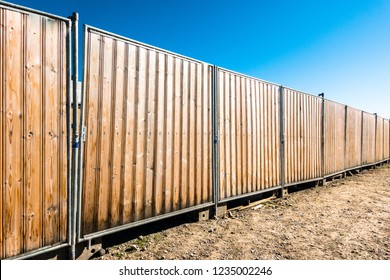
x: 249, y: 132
x: 162, y: 134
x: 334, y: 137
x: 33, y: 165
x: 148, y: 144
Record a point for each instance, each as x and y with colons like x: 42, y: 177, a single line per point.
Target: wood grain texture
x: 13, y: 130
x: 148, y: 113
x: 353, y: 138
x: 302, y: 136
x: 2, y: 124
x: 249, y: 134
x: 368, y: 144
x: 386, y: 139
x: 379, y: 140
x: 334, y: 136
x: 33, y: 136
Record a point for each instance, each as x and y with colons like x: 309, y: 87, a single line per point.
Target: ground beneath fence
x: 345, y: 219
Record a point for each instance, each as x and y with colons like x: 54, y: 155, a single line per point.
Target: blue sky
x: 339, y: 47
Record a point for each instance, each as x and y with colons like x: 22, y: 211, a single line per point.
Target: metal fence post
x: 322, y: 137
x: 68, y: 134
x: 75, y: 131
x: 82, y: 130
x: 215, y: 139
x: 282, y: 120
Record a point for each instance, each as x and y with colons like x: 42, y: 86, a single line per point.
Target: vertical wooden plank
x: 262, y: 133
x: 33, y: 191
x: 140, y: 157
x: 192, y: 135
x: 160, y: 128
x: 222, y: 141
x: 254, y: 134
x: 239, y: 135
x: 105, y: 132
x: 50, y: 133
x: 327, y: 136
x: 169, y: 135
x: 317, y: 137
x: 311, y: 139
x: 184, y: 135
x: 210, y: 133
x: 227, y: 134
x: 258, y: 135
x: 306, y: 143
x: 12, y: 135
x: 292, y: 136
x: 117, y: 132
x: 244, y: 136
x: 319, y: 126
x: 63, y: 165
x: 270, y: 132
x: 267, y: 127
x: 287, y: 134
x: 177, y: 117
x: 249, y: 117
x: 233, y: 134
x: 91, y: 165
x: 198, y: 139
x: 349, y: 124
x: 277, y: 136
x: 299, y: 136
x: 2, y: 124
x: 150, y: 132
x: 296, y: 136
x: 206, y: 138
x: 130, y: 134
x: 273, y: 136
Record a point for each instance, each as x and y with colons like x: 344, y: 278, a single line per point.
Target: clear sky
x: 339, y: 47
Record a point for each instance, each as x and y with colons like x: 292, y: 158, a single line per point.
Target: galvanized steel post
x: 68, y: 134
x: 82, y: 139
x: 75, y: 141
x: 215, y: 136
x: 282, y: 120
x: 322, y: 137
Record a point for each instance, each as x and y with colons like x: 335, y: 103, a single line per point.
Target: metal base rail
x: 90, y: 236
x: 241, y: 196
x: 40, y: 251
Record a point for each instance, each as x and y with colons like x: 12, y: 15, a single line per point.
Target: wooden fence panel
x: 33, y: 159
x: 386, y: 139
x: 334, y: 137
x: 368, y: 144
x: 353, y: 154
x: 148, y: 144
x: 379, y: 139
x: 302, y: 132
x: 249, y: 129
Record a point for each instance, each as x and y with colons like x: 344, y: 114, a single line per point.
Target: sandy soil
x: 345, y: 219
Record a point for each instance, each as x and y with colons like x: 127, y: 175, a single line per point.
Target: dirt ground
x: 345, y: 219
